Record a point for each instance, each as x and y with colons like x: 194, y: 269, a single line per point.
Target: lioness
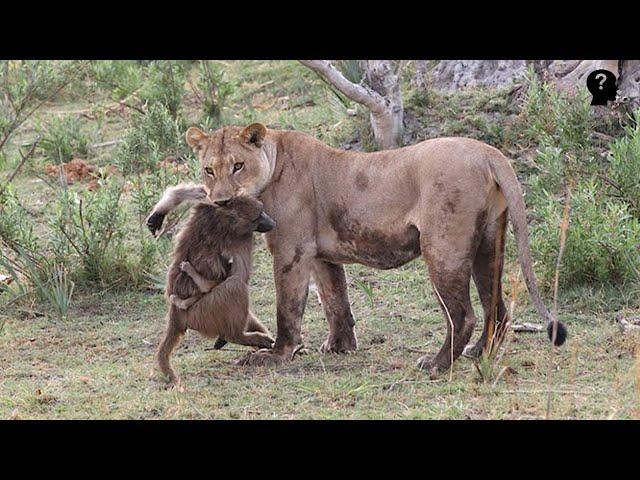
x: 446, y: 199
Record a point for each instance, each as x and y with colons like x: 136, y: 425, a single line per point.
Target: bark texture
x: 380, y: 94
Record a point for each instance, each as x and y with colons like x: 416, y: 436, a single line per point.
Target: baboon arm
x: 235, y: 286
x: 171, y: 199
x: 204, y: 285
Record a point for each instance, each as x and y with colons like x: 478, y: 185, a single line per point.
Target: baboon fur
x: 207, y: 282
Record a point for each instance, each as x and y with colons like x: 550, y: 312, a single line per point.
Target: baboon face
x: 246, y: 215
x: 233, y: 160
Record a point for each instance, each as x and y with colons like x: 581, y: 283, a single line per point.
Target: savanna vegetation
x: 87, y: 147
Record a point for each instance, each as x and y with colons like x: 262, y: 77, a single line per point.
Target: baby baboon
x: 207, y: 282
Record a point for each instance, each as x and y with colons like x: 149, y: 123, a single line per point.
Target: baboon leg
x: 253, y: 339
x: 255, y: 325
x: 202, y: 283
x: 450, y: 272
x: 332, y: 288
x: 184, y: 303
x: 487, y: 275
x: 173, y: 334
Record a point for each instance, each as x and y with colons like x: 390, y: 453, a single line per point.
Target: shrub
x: 26, y: 84
x: 94, y: 225
x: 33, y: 271
x: 556, y: 118
x: 624, y: 168
x: 63, y: 139
x: 213, y: 91
x: 120, y: 78
x: 164, y: 85
x: 149, y: 139
x: 602, y: 239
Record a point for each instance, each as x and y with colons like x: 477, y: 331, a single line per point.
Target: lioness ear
x: 254, y: 133
x: 195, y: 137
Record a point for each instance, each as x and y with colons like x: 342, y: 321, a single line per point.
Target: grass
x: 99, y: 361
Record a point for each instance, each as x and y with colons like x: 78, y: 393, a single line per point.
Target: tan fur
x: 443, y: 199
x: 207, y: 282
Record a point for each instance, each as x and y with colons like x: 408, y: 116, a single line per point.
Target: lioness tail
x: 508, y: 183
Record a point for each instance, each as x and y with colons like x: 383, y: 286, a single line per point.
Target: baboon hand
x: 177, y: 301
x: 154, y: 222
x: 184, y: 266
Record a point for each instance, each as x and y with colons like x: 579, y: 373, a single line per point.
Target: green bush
x: 556, y: 118
x: 624, y: 168
x: 604, y: 231
x: 120, y: 78
x: 150, y: 138
x: 602, y: 239
x: 213, y: 91
x: 34, y: 272
x: 94, y: 225
x: 63, y: 139
x: 165, y: 85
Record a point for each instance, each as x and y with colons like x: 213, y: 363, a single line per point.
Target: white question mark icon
x: 603, y: 78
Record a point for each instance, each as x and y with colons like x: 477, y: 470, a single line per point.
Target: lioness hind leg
x: 450, y: 274
x: 487, y: 275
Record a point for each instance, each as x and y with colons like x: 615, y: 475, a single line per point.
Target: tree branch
x: 358, y: 93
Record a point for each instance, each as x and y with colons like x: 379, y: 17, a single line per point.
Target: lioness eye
x: 237, y: 167
x: 209, y: 170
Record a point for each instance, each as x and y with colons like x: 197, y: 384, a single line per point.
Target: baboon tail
x: 508, y: 182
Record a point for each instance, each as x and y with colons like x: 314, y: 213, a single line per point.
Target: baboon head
x: 245, y: 215
x: 234, y: 161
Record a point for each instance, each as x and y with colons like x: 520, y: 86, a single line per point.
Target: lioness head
x: 234, y: 161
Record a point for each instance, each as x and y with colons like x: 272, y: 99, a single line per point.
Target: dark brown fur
x: 217, y: 242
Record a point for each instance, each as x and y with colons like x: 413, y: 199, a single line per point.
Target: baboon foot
x: 342, y: 342
x: 432, y: 366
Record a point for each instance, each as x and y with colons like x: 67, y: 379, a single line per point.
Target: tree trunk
x: 629, y: 83
x: 388, y: 128
x: 381, y: 95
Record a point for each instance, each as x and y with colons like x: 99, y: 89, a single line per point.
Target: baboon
x: 207, y: 282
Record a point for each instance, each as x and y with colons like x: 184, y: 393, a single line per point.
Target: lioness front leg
x: 202, y: 283
x: 332, y: 285
x: 292, y: 273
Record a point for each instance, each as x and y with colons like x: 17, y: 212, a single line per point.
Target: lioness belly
x: 349, y: 241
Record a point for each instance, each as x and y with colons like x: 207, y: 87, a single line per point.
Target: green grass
x: 99, y: 363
